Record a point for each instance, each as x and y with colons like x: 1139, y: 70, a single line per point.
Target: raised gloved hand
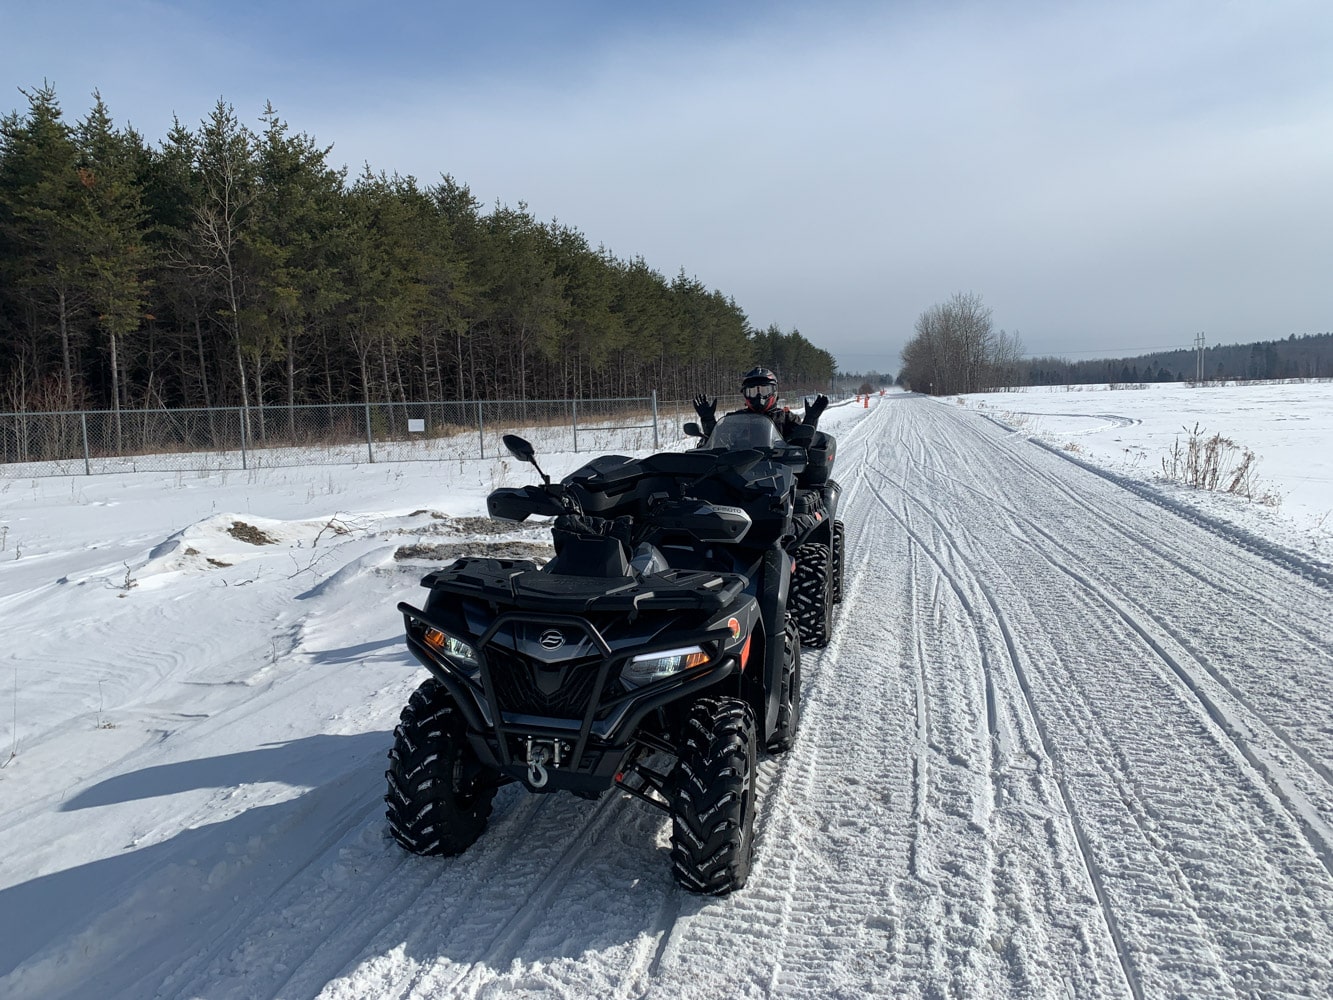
x: 815, y: 408
x: 705, y: 407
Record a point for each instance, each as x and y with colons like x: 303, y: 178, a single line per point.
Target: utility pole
x: 1198, y: 365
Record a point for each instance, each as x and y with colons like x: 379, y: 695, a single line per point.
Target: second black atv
x: 818, y: 538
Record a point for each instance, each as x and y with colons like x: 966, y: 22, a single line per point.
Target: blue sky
x: 1109, y: 177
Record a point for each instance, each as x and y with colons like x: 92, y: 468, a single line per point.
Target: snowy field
x: 1071, y: 737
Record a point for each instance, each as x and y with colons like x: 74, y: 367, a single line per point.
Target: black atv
x: 817, y: 541
x: 654, y: 654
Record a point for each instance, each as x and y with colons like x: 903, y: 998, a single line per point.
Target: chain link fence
x: 188, y: 440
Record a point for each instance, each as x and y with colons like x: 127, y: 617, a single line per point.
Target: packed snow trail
x: 1063, y: 743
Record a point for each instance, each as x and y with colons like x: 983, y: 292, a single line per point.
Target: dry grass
x: 1216, y: 463
x: 249, y: 533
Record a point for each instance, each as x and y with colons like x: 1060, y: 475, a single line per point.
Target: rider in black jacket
x: 760, y: 389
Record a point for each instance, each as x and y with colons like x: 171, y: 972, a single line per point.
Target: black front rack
x: 519, y: 584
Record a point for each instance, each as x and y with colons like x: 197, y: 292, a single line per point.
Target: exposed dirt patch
x: 249, y: 533
x: 481, y: 526
x: 217, y: 562
x: 449, y: 551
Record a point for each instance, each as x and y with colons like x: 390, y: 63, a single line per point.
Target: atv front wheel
x: 439, y: 794
x: 839, y: 551
x: 789, y: 700
x: 712, y: 797
x: 811, y: 592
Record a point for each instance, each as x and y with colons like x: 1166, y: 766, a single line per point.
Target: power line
x: 1109, y: 352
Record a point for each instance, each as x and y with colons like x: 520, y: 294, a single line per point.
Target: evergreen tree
x: 295, y: 243
x: 110, y: 227
x: 42, y: 261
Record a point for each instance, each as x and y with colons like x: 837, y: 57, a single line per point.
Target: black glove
x: 814, y: 409
x: 705, y: 407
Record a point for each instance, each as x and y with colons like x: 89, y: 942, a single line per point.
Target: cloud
x: 1089, y: 168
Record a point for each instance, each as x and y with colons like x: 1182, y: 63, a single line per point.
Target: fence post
x: 574, y: 410
x: 87, y: 464
x: 481, y: 431
x: 656, y: 445
x: 370, y: 446
x: 244, y: 460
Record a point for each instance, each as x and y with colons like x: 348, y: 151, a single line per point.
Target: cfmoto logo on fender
x: 552, y: 639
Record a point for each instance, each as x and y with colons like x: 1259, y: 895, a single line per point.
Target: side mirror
x: 524, y: 452
x: 693, y: 430
x: 520, y: 449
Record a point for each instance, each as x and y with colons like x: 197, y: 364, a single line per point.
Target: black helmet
x: 760, y: 388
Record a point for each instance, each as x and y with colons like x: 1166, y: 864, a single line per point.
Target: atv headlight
x: 654, y: 666
x: 457, y: 651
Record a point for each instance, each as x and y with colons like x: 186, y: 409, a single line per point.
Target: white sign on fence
x: 416, y: 426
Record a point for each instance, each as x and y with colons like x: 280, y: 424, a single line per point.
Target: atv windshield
x: 737, y: 431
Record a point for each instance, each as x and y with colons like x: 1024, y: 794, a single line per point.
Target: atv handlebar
x: 517, y: 503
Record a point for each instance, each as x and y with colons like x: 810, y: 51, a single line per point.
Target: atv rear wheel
x: 789, y: 701
x: 811, y: 592
x: 439, y: 793
x: 712, y: 797
x: 839, y: 551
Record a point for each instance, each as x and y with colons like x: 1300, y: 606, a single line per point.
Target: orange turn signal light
x: 695, y: 660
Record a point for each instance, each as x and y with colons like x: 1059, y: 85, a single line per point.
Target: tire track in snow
x: 497, y: 897
x: 1021, y: 807
x: 1269, y: 773
x: 992, y: 916
x: 1165, y: 830
x: 954, y: 844
x: 1309, y: 640
x: 504, y: 945
x: 1244, y: 588
x: 1244, y: 724
x: 1110, y: 920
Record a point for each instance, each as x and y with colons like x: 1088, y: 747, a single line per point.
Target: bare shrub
x: 1216, y: 463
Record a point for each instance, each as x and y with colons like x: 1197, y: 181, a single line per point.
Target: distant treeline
x: 225, y: 266
x: 956, y: 349
x: 1308, y: 356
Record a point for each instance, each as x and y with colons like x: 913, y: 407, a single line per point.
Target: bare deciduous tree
x: 957, y: 349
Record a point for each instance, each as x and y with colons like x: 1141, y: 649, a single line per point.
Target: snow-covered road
x: 1064, y: 743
